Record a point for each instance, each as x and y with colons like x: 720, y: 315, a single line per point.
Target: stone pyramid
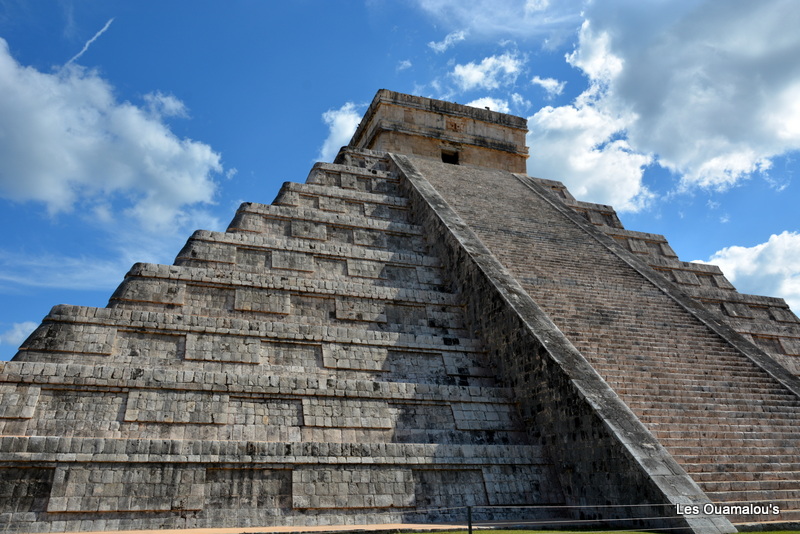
x: 419, y: 328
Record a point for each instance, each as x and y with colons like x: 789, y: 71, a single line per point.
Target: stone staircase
x: 319, y: 324
x: 400, y: 338
x: 731, y: 425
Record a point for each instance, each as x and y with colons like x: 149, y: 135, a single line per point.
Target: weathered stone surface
x: 395, y: 340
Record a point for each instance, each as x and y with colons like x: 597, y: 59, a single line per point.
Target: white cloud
x: 714, y: 87
x: 520, y: 101
x: 66, y: 141
x: 449, y: 40
x: 771, y: 268
x: 494, y: 104
x: 581, y: 146
x: 524, y: 19
x: 161, y: 105
x: 403, y: 65
x: 18, y: 333
x: 490, y: 73
x: 342, y: 124
x: 551, y: 86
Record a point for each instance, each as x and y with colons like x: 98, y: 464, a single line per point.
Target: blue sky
x: 124, y: 126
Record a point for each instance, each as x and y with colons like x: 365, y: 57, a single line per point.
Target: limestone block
x: 263, y: 301
x: 417, y: 364
x: 237, y: 489
x: 517, y: 484
x: 346, y: 413
x: 409, y: 416
x: 360, y: 357
x: 783, y: 315
x: 114, y: 487
x: 69, y: 337
x: 143, y: 346
x: 249, y: 259
x: 216, y: 348
x: 176, y: 407
x: 150, y: 290
x: 666, y: 250
x: 638, y: 246
x: 336, y: 205
x: 369, y: 238
x: 24, y: 489
x: 723, y: 282
x: 464, y: 364
x: 378, y: 211
x: 309, y: 230
x: 449, y: 487
x: 476, y: 416
x: 208, y: 251
x: 365, y: 269
x: 77, y: 413
x: 791, y: 346
x: 295, y: 357
x: 353, y: 181
x: 426, y: 275
x: 296, y: 261
x: 358, y: 487
x: 736, y: 309
x: 354, y: 309
x: 686, y: 277
x: 18, y: 401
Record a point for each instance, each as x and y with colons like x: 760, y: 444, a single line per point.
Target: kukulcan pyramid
x: 419, y: 328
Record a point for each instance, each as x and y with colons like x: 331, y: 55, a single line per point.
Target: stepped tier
x: 400, y: 338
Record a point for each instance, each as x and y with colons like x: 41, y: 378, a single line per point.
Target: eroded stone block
x: 176, y: 407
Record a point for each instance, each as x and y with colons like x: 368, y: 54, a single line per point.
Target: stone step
x: 677, y: 398
x: 789, y: 514
x: 734, y: 477
x: 318, y: 225
x: 713, y: 433
x: 757, y: 460
x: 370, y: 180
x: 343, y: 251
x: 381, y: 268
x: 750, y: 485
x: 255, y: 385
x: 763, y: 496
x: 710, y: 412
x: 671, y: 367
x: 714, y: 443
x: 729, y: 468
x: 347, y: 201
x: 108, y: 320
x: 725, y: 449
x: 170, y: 281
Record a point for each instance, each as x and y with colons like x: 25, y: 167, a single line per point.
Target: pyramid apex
x: 415, y: 125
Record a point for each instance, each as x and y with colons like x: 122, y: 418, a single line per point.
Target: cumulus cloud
x: 582, y: 146
x: 18, y: 333
x: 490, y: 73
x: 771, y: 268
x: 66, y: 141
x: 713, y: 86
x: 494, y: 104
x: 449, y: 40
x: 551, y: 86
x: 342, y: 124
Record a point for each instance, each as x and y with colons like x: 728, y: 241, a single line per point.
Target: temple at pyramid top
x: 418, y: 333
x: 419, y: 126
